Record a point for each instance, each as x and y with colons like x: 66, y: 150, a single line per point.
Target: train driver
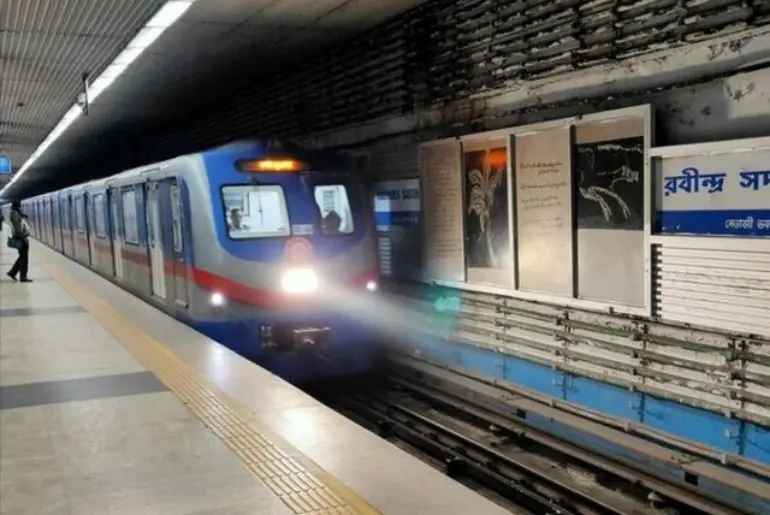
x: 331, y: 223
x: 236, y: 221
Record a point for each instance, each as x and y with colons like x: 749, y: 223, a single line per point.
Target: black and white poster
x: 610, y: 194
x: 487, y: 230
x: 610, y: 182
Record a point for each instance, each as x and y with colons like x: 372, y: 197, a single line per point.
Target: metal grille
x: 45, y: 47
x: 698, y: 368
x: 449, y: 50
x: 394, y: 161
x: 714, y: 287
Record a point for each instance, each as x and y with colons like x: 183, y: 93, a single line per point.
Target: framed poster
x: 486, y: 207
x: 442, y: 177
x: 544, y: 211
x: 610, y: 209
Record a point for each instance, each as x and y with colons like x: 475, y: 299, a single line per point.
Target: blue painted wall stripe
x: 405, y: 218
x: 739, y: 222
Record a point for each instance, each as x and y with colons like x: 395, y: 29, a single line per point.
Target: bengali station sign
x: 397, y: 204
x: 717, y: 194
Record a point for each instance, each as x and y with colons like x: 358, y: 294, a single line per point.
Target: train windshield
x: 255, y: 211
x: 333, y: 205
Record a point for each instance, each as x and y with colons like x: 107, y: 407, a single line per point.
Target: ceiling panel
x: 45, y: 47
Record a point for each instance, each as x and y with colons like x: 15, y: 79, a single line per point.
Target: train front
x: 300, y: 256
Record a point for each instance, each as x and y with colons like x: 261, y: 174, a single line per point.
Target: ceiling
x: 216, y: 48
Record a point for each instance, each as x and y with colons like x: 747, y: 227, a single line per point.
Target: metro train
x: 251, y: 244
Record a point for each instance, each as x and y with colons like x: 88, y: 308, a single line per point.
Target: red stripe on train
x: 234, y: 289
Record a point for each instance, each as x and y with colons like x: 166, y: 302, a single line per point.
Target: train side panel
x: 65, y: 205
x: 134, y: 251
x: 101, y: 244
x: 165, y: 238
x: 81, y: 253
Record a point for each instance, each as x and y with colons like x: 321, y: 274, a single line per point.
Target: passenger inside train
x: 236, y: 221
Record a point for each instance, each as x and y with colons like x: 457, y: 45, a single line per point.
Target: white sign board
x: 719, y: 194
x: 397, y: 203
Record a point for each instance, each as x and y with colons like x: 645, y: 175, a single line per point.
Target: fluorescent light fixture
x: 171, y: 11
x: 99, y: 85
x: 146, y: 37
x: 128, y: 56
x: 112, y: 71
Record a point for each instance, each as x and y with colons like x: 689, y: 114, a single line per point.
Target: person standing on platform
x: 19, y: 240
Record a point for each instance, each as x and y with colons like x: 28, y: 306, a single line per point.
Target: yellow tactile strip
x: 301, y: 484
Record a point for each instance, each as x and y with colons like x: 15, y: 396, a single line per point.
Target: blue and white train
x: 252, y: 244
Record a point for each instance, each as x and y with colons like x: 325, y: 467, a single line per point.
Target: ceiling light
x: 169, y: 13
x: 113, y: 71
x: 146, y: 37
x: 98, y: 87
x: 128, y: 56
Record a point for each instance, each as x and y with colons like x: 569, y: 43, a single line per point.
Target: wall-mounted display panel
x: 441, y: 169
x: 487, y: 243
x: 544, y: 211
x: 610, y: 169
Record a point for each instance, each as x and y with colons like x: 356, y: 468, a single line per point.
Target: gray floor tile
x: 123, y: 446
x: 36, y: 394
x: 33, y: 312
x: 103, y: 415
x: 170, y: 488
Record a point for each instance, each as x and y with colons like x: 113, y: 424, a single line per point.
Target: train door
x: 38, y: 221
x: 55, y: 223
x: 155, y: 241
x: 178, y: 247
x: 117, y: 243
x: 52, y: 223
x: 48, y: 223
x: 87, y: 214
x: 47, y: 218
x: 63, y: 222
x: 71, y: 223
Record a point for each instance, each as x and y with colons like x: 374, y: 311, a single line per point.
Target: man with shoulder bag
x: 19, y: 240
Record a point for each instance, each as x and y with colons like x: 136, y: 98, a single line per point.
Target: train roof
x: 257, y: 147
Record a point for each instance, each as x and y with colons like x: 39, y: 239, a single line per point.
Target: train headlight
x: 371, y: 285
x: 217, y: 299
x: 299, y: 280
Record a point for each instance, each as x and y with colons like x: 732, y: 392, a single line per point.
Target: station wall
x: 643, y: 303
x: 648, y: 307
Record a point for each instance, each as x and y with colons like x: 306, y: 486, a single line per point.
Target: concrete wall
x: 709, y: 91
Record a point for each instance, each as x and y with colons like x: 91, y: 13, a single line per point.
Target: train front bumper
x: 294, y: 337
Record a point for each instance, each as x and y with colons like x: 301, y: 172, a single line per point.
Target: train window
x: 80, y: 215
x: 176, y: 218
x: 334, y: 207
x: 255, y: 211
x: 101, y: 222
x: 67, y: 206
x: 130, y: 222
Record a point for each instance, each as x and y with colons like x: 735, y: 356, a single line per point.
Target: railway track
x: 506, y: 458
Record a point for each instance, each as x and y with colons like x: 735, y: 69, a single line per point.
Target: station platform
x: 110, y: 407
